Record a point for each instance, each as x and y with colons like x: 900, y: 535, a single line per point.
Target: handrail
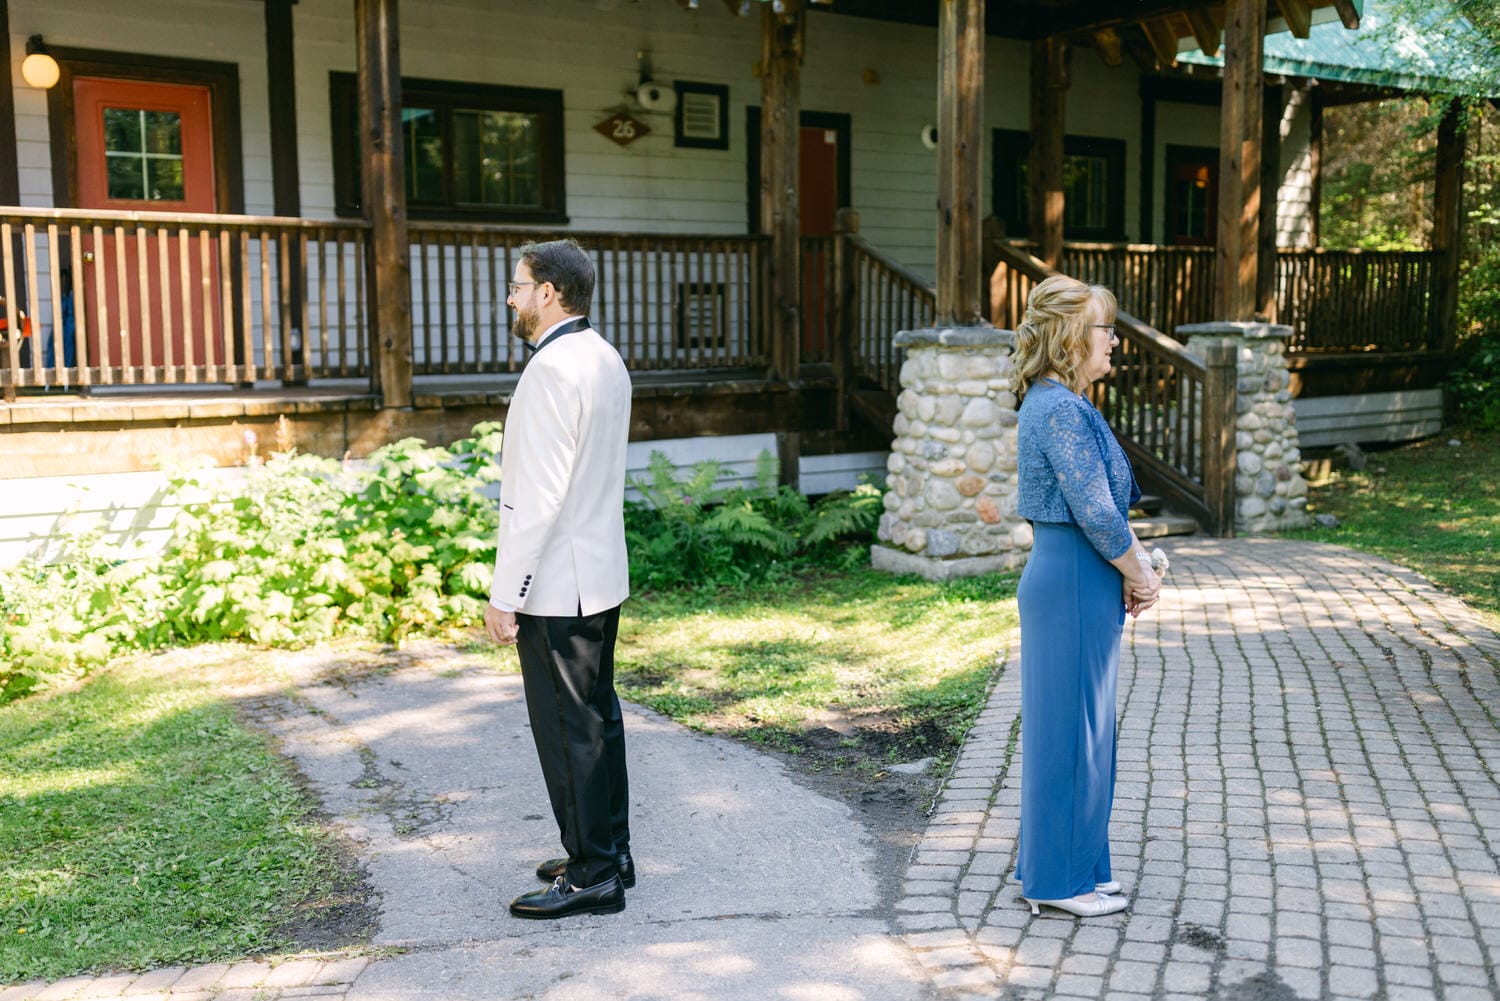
x: 889, y: 297
x: 1172, y: 411
x: 177, y: 218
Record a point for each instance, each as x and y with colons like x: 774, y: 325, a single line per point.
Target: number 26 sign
x: 622, y: 128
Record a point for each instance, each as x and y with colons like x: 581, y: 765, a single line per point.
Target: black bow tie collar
x: 577, y: 323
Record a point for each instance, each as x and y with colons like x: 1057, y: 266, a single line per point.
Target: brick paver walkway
x: 1307, y: 807
x: 1307, y: 804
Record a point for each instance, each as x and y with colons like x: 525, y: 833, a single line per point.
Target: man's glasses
x: 516, y: 286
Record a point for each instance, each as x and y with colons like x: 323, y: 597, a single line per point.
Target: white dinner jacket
x: 562, y: 481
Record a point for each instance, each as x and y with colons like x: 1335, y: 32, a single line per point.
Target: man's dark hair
x: 564, y: 264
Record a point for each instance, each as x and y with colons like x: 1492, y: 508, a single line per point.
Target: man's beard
x: 524, y: 325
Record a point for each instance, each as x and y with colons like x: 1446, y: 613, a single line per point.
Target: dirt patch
x: 847, y: 756
x: 342, y: 910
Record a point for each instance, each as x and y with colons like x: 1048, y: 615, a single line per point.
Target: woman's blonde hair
x: 1054, y: 335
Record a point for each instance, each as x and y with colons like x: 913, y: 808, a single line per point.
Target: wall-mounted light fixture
x: 39, y: 69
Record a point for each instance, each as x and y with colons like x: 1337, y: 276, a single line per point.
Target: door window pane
x: 164, y: 179
x: 163, y: 132
x: 143, y: 152
x: 127, y: 177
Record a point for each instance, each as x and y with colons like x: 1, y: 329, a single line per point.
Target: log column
x: 1237, y: 253
x: 1447, y: 221
x: 783, y: 37
x: 1050, y: 58
x: 384, y: 197
x: 960, y: 278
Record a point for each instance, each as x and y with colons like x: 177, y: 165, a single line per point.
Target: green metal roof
x: 1434, y: 52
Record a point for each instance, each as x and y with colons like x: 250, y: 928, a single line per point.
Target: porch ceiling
x: 1151, y: 31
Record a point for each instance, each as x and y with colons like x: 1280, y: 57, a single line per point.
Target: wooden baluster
x: 80, y: 314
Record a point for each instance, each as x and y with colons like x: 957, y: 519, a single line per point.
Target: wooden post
x: 1315, y: 165
x: 10, y: 177
x: 1049, y: 87
x: 844, y: 348
x: 1237, y: 253
x: 1447, y: 223
x: 960, y: 165
x: 1220, y: 392
x: 384, y: 197
x: 281, y: 93
x: 1148, y: 162
x: 1270, y: 184
x: 782, y: 38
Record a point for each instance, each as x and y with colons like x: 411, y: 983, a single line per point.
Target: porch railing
x: 114, y: 298
x: 667, y: 301
x: 887, y: 297
x: 1335, y: 301
x: 1172, y: 411
x: 1339, y: 301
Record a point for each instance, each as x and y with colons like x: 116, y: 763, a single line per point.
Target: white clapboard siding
x: 133, y: 510
x: 1369, y: 417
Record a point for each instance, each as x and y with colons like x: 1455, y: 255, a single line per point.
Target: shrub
x: 1474, y: 384
x: 690, y: 529
x: 304, y: 550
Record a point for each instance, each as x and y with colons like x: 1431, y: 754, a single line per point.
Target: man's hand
x: 501, y: 626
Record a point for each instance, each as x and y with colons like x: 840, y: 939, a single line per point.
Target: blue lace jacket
x: 1071, y: 468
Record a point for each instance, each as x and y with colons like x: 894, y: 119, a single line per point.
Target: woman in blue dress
x: 1086, y: 571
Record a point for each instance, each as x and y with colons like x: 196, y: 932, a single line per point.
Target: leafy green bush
x: 303, y: 550
x: 1474, y: 385
x: 690, y: 529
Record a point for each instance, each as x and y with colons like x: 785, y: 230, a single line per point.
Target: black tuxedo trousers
x: 568, y: 668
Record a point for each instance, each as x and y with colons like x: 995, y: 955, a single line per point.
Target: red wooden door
x: 148, y: 147
x: 818, y: 196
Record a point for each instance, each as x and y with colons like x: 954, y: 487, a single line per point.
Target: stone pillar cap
x: 981, y: 336
x: 1250, y: 330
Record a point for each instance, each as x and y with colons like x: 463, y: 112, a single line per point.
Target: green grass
x: 899, y: 666
x: 1429, y: 506
x: 141, y: 825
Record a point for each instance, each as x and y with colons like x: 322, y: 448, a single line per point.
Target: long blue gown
x: 1076, y: 486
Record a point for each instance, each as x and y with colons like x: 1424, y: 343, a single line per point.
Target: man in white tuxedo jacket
x: 561, y: 573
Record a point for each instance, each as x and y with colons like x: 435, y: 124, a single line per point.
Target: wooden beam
x: 1315, y: 164
x: 10, y: 175
x: 1107, y: 43
x: 1348, y: 14
x: 1163, y: 41
x: 1049, y: 89
x: 1237, y: 257
x: 1447, y: 218
x: 782, y: 39
x: 1270, y: 184
x: 281, y: 92
x: 1205, y: 30
x: 1298, y: 16
x: 960, y: 294
x: 1095, y: 15
x: 384, y: 198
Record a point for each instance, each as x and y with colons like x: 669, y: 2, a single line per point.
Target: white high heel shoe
x: 1095, y: 906
x: 1113, y: 886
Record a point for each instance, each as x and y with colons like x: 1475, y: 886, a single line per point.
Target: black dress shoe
x: 562, y: 898
x: 555, y: 867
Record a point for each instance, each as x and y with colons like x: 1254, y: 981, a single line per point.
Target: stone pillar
x: 1270, y: 493
x: 951, y: 507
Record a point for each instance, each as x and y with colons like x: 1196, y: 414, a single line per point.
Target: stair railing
x: 1172, y: 411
